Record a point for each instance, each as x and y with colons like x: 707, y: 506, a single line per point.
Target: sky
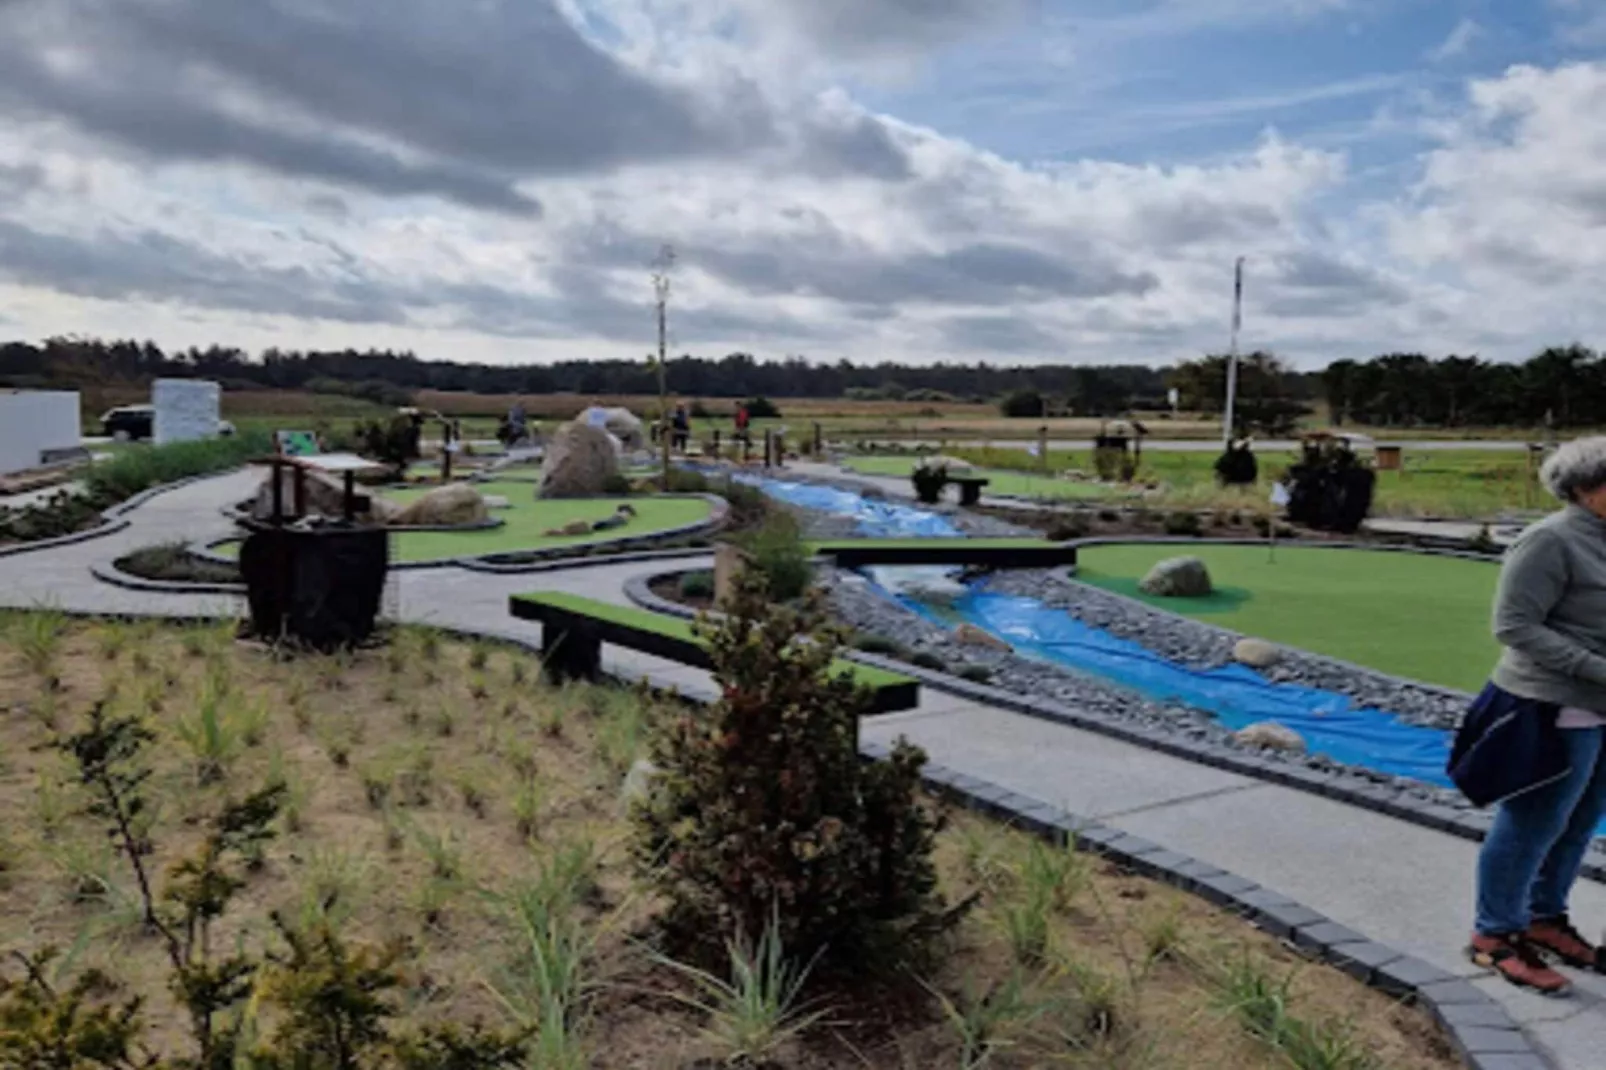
x: 1015, y: 181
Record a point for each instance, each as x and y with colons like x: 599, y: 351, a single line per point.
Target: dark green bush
x: 776, y: 553
x: 1023, y: 404
x: 928, y: 482
x: 687, y: 481
x: 762, y: 408
x: 1183, y: 523
x: 393, y: 442
x: 697, y: 585
x: 976, y: 674
x: 764, y: 809
x: 925, y: 659
x: 1109, y: 516
x: 142, y: 467
x: 880, y: 644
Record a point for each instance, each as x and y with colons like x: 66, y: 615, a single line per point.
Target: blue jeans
x: 1536, y: 845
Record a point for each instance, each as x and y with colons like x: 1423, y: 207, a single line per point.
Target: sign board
x: 295, y: 443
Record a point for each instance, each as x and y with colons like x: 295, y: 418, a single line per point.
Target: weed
x: 112, y: 638
x: 38, y: 637
x: 473, y: 794
x: 516, y: 672
x: 620, y: 733
x: 510, y: 708
x: 528, y: 803
x: 333, y: 885
x: 981, y: 851
x: 479, y: 689
x: 252, y: 722
x: 441, y: 848
x: 1262, y: 1005
x: 1162, y: 935
x: 212, y: 736
x: 378, y: 783
x: 478, y: 655
x: 992, y: 1019
x: 1026, y: 925
x: 1056, y: 874
x: 760, y: 1008
x: 444, y: 723
x: 550, y: 717
x: 429, y: 646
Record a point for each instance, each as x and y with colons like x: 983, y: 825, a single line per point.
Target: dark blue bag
x: 1505, y: 746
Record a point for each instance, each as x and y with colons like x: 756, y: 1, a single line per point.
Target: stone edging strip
x: 1484, y: 1035
x: 1339, y: 786
x: 108, y: 572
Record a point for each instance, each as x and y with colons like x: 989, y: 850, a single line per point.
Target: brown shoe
x: 1556, y: 936
x: 1511, y: 956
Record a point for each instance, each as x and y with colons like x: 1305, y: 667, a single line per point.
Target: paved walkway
x: 1396, y: 882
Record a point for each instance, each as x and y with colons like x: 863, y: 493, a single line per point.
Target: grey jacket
x: 1550, y: 612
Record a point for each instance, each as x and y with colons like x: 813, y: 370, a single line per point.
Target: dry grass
x: 396, y: 828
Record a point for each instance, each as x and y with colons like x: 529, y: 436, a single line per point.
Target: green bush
x: 880, y: 644
x: 976, y: 674
x: 762, y: 408
x: 1183, y: 523
x: 142, y: 467
x: 928, y: 481
x: 925, y: 659
x: 765, y: 811
x: 776, y: 553
x: 697, y: 585
x: 1023, y: 404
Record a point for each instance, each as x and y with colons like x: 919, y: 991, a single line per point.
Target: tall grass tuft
x: 134, y: 470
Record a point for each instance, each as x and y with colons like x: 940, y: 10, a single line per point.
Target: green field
x: 1421, y: 617
x: 527, y: 519
x: 1019, y: 484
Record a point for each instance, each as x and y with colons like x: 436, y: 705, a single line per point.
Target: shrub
x: 697, y: 585
x: 925, y: 659
x: 928, y: 482
x: 1065, y: 529
x: 880, y: 644
x: 976, y: 674
x: 617, y: 485
x: 764, y: 809
x: 687, y: 481
x: 394, y: 442
x: 762, y: 408
x: 1183, y: 523
x: 1023, y: 404
x: 776, y: 553
x: 135, y: 470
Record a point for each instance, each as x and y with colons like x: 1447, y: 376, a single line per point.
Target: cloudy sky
x: 1012, y: 180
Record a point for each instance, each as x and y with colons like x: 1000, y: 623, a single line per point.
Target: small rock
x: 1271, y: 735
x: 970, y: 635
x: 1177, y: 577
x: 1256, y: 653
x: 638, y: 782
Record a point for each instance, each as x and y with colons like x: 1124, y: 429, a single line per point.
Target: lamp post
x: 1232, y: 351
x: 660, y: 286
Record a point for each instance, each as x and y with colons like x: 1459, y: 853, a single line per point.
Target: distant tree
x: 760, y: 407
x: 1023, y: 404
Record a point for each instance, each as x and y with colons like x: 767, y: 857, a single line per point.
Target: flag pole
x: 1232, y: 352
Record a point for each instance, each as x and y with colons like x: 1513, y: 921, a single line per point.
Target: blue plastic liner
x: 1331, y: 724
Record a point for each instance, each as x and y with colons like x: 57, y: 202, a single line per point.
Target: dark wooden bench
x: 574, y: 627
x: 984, y: 553
x: 970, y: 488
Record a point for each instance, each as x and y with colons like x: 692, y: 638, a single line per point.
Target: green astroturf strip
x: 1413, y: 615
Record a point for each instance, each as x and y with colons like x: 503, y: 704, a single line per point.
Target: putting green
x: 1413, y: 615
x: 527, y: 519
x: 1018, y: 484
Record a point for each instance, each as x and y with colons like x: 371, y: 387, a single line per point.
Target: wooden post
x: 278, y: 491
x: 716, y: 444
x: 819, y: 449
x: 349, y: 505
x: 1042, y: 447
x: 301, y: 491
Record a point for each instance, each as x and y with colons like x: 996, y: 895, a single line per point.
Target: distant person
x: 1534, y: 740
x: 681, y: 424
x: 742, y: 422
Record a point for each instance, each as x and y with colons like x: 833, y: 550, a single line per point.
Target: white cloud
x: 1459, y: 41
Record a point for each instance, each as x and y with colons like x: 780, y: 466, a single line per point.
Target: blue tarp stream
x: 1331, y: 724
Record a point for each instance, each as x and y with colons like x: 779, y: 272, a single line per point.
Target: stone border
x: 1483, y: 1034
x: 515, y: 561
x: 114, y: 518
x: 108, y: 572
x: 1338, y: 785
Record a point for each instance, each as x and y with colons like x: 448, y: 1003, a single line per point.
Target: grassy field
x: 1470, y: 483
x: 1002, y: 481
x: 527, y: 521
x: 443, y: 802
x: 1424, y: 618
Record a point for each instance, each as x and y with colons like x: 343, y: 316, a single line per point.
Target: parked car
x: 130, y: 423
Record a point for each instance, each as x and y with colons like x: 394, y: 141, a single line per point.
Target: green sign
x: 296, y: 443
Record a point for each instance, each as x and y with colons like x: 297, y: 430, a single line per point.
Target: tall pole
x: 1232, y: 351
x: 660, y: 285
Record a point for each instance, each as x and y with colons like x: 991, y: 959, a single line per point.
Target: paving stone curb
x: 108, y: 572
x: 538, y: 560
x: 1339, y: 786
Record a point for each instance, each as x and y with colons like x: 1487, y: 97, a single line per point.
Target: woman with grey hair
x: 1542, y: 721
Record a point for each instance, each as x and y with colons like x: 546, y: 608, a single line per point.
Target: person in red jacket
x: 742, y: 420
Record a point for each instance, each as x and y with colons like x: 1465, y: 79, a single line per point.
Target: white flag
x: 1279, y: 495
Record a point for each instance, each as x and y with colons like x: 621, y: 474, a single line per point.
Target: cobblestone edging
x: 108, y: 572
x: 1336, y: 784
x: 619, y: 550
x: 113, y: 519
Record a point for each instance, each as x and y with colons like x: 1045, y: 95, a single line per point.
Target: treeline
x: 1561, y: 386
x: 380, y: 374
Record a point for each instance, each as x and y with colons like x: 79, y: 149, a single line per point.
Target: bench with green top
x: 988, y: 553
x: 574, y: 627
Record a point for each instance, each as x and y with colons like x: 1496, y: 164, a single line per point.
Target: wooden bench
x: 970, y: 488
x: 574, y: 627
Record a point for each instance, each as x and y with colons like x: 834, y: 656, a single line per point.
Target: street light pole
x: 660, y: 286
x: 1232, y: 352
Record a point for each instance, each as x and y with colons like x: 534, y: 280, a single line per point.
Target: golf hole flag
x: 1279, y: 495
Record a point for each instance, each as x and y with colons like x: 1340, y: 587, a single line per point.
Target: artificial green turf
x: 676, y: 628
x: 527, y: 518
x: 1413, y: 615
x: 1000, y: 481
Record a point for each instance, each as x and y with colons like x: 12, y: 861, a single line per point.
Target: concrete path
x: 1396, y: 882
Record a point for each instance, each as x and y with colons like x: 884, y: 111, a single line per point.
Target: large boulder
x: 1271, y: 736
x: 455, y: 503
x: 580, y: 461
x: 622, y: 424
x: 322, y: 495
x: 1177, y: 577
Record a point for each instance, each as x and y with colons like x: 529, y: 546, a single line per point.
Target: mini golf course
x: 527, y: 519
x: 1000, y: 481
x: 1412, y: 615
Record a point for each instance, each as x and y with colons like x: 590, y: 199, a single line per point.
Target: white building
x: 35, y: 424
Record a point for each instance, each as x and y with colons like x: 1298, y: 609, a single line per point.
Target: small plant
x: 112, y: 638
x: 478, y: 655
x: 479, y: 689
x: 444, y: 722
x: 528, y: 804
x: 976, y: 674
x: 880, y: 644
x: 1025, y: 923
x: 212, y: 736
x: 516, y: 672
x: 38, y: 636
x: 1183, y: 524
x: 925, y: 659
x: 991, y: 1020
x: 760, y: 1008
x: 474, y: 799
x: 378, y: 783
x: 928, y: 481
x: 1162, y: 936
x: 441, y: 849
x: 776, y: 554
x: 1056, y: 874
x: 1262, y: 1003
x: 696, y: 586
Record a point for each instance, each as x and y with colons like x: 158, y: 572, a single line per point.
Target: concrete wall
x: 32, y: 421
x: 185, y: 409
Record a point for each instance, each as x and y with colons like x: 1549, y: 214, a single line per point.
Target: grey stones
x: 1256, y: 653
x: 1272, y: 736
x: 455, y: 503
x: 970, y: 635
x: 1177, y: 577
